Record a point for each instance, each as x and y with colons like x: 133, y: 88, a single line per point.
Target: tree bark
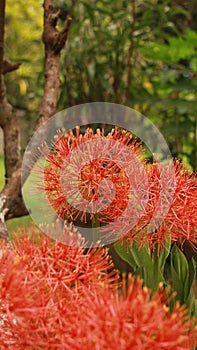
x: 2, y: 26
x: 11, y: 201
x: 54, y: 41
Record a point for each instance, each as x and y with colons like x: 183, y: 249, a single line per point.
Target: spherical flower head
x: 180, y: 220
x: 131, y: 320
x: 38, y: 282
x: 95, y: 175
x: 65, y: 266
x: 34, y: 314
x: 130, y: 198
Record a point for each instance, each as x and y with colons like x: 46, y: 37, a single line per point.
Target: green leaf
x: 135, y: 257
x: 177, y: 284
x: 164, y: 253
x: 146, y: 266
x: 180, y: 264
x: 192, y: 271
x: 142, y: 256
x: 182, y: 273
x: 123, y: 250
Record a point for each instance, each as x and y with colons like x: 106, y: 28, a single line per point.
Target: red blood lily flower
x: 96, y: 175
x: 38, y: 284
x: 130, y: 321
x: 92, y: 177
x: 180, y: 219
x: 89, y: 318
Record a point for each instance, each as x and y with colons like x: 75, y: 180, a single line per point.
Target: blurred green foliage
x: 161, y: 37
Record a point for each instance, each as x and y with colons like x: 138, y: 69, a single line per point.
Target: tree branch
x: 11, y: 201
x: 54, y: 42
x: 10, y: 198
x: 2, y: 26
x: 9, y: 66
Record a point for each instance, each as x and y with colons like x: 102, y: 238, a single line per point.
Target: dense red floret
x: 36, y: 313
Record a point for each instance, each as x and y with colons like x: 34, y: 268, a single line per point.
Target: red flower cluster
x: 39, y: 284
x: 133, y: 209
x: 90, y: 179
x: 180, y: 219
x: 54, y: 296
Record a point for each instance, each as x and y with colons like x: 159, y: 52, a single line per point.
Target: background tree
x: 11, y: 202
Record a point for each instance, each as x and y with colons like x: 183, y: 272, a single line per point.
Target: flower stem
x: 95, y: 229
x: 155, y: 268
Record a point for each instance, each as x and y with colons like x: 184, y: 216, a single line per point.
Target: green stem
x: 155, y: 268
x: 95, y: 229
